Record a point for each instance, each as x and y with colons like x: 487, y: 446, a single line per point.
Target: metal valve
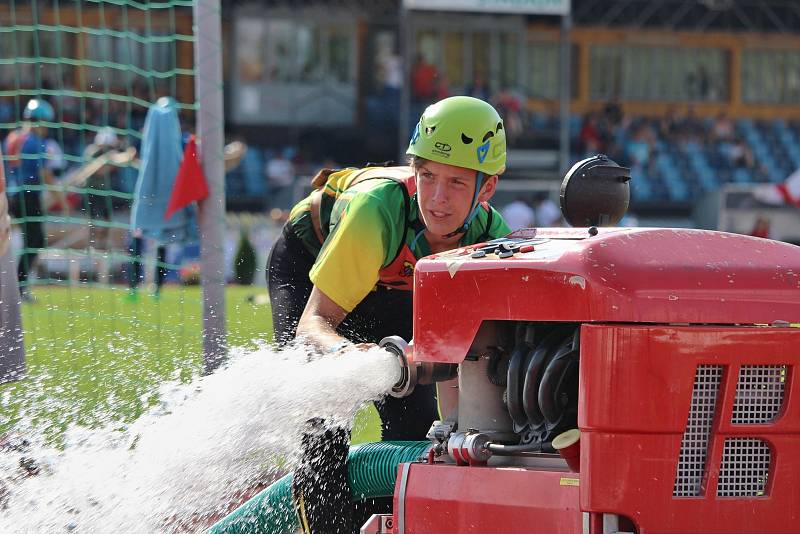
x: 408, y: 377
x: 413, y: 373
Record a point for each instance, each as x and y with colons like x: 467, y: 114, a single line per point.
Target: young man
x: 342, y: 271
x: 27, y: 149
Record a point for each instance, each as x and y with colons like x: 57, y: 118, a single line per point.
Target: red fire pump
x: 608, y: 380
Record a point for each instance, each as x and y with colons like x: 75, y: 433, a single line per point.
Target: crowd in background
x: 429, y: 85
x: 633, y: 141
x: 271, y: 177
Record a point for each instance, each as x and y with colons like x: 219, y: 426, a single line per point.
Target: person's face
x: 445, y: 194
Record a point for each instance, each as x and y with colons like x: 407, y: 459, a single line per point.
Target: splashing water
x: 190, y: 458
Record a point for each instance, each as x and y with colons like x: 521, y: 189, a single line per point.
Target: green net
x: 106, y: 315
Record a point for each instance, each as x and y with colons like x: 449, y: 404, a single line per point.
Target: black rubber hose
x: 533, y: 373
x: 516, y: 368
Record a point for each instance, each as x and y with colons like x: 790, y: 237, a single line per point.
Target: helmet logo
x: 415, y: 135
x: 444, y: 147
x: 483, y: 150
x: 441, y: 149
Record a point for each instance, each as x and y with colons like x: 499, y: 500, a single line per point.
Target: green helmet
x: 461, y: 131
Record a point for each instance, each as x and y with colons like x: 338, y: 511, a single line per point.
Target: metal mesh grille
x: 744, y: 469
x: 694, y: 447
x: 759, y: 394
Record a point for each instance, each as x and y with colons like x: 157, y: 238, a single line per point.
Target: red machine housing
x: 687, y: 407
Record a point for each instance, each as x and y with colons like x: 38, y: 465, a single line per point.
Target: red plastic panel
x: 658, y: 276
x: 636, y: 389
x: 446, y: 498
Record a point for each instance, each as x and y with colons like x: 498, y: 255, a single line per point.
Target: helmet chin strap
x: 465, y: 225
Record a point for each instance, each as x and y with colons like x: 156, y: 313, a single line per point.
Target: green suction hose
x: 372, y: 470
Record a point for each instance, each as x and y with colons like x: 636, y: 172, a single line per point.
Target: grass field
x: 94, y: 356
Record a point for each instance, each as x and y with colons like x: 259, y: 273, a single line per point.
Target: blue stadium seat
x: 641, y: 189
x: 742, y: 176
x: 789, y: 142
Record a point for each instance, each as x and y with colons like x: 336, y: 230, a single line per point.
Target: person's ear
x: 488, y: 188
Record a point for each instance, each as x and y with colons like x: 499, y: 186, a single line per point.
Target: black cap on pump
x: 595, y: 192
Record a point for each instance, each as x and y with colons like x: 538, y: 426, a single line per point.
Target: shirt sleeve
x: 363, y: 231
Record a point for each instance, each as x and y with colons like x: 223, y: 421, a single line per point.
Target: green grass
x: 95, y: 357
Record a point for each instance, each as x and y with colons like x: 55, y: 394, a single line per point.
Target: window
x: 657, y: 73
x: 308, y: 52
x: 771, y: 76
x: 153, y: 53
x: 293, y: 70
x: 542, y: 78
x: 454, y: 59
x: 250, y: 50
x: 340, y: 46
x: 481, y: 56
x: 509, y: 52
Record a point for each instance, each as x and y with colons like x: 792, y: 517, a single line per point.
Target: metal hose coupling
x: 413, y: 373
x: 408, y: 373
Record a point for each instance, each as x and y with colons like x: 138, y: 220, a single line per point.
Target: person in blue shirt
x: 26, y: 148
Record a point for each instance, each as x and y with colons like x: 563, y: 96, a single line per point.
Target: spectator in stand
x: 509, y: 106
x: 391, y: 66
x: 280, y: 173
x: 640, y: 147
x: 519, y: 214
x: 590, y: 138
x: 613, y: 114
x: 670, y: 125
x: 423, y: 79
x: 442, y: 88
x: 547, y: 213
x: 722, y: 131
x: 478, y: 88
x: 692, y: 129
x: 740, y: 155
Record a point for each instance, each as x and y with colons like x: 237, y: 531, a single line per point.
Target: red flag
x: 190, y: 183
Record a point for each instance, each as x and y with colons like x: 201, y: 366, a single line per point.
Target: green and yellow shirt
x: 367, y: 226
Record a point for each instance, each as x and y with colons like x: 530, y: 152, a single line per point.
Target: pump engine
x: 605, y: 381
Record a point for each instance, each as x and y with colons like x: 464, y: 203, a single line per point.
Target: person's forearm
x: 318, y: 332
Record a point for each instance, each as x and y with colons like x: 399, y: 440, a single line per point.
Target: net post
x: 210, y: 133
x: 12, y: 348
